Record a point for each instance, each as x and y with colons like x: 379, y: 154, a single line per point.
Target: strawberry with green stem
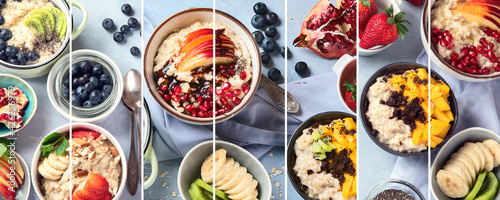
x: 367, y: 8
x: 384, y: 28
x: 350, y: 95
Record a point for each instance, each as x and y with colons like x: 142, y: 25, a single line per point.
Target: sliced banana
x: 467, y: 161
x: 64, y: 159
x: 51, y: 170
x: 451, y: 184
x: 55, y: 162
x: 41, y: 170
x: 226, y: 169
x: 494, y: 147
x: 247, y: 192
x: 458, y: 170
x: 207, y: 167
x: 234, y: 169
x: 473, y: 156
x: 252, y: 196
x: 237, y: 177
x: 469, y: 171
x: 242, y: 185
x: 479, y: 154
x: 489, y: 161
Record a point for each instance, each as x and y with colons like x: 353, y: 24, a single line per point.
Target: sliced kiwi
x: 196, y: 193
x: 489, y: 188
x: 477, y: 186
x: 47, y: 19
x: 36, y: 26
x: 60, y: 21
x: 218, y: 193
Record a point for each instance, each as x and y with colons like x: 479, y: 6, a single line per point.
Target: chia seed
x: 393, y: 194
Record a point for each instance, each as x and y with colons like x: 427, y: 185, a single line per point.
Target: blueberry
x: 258, y: 21
x: 10, y: 51
x: 14, y: 61
x: 74, y: 83
x: 95, y: 96
x: 95, y: 82
x: 105, y: 79
x: 133, y: 23
x: 271, y: 18
x: 88, y: 104
x: 2, y: 20
x: 66, y: 82
x: 3, y: 56
x: 86, y: 66
x: 260, y: 8
x: 127, y: 9
x: 107, y: 88
x: 22, y: 58
x: 97, y: 70
x: 5, y: 34
x: 125, y: 29
x: 3, y: 44
x: 283, y: 50
x: 2, y: 2
x: 118, y: 37
x: 82, y: 93
x: 82, y: 80
x: 87, y: 75
x: 266, y: 58
x: 135, y: 51
x: 32, y: 56
x: 271, y: 31
x: 274, y: 74
x: 301, y: 68
x: 108, y: 24
x: 269, y: 44
x: 104, y: 96
x: 75, y: 70
x: 89, y: 86
x: 66, y: 93
x: 258, y: 36
x: 75, y: 100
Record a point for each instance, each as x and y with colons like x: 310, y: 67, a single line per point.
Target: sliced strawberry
x: 416, y: 2
x: 107, y: 196
x: 75, y: 197
x: 350, y: 95
x: 84, y: 195
x: 96, y: 184
x: 85, y: 134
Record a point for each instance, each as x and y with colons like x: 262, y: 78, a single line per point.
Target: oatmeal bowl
x: 35, y: 34
x: 395, y: 108
x: 321, y: 157
x: 179, y: 66
x: 97, y: 166
x: 464, y: 42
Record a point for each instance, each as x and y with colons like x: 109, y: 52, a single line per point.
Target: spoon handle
x: 278, y: 95
x: 132, y: 170
x: 139, y: 144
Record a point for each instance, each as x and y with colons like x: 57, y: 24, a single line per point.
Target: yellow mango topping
x: 346, y: 186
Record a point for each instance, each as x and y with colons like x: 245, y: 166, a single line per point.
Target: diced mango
x: 422, y: 74
x: 433, y: 81
x: 326, y: 130
x: 410, y: 83
x: 450, y: 115
x: 353, y: 187
x: 425, y: 134
x: 410, y: 95
x: 441, y: 103
x: 435, y: 141
x: 435, y: 92
x: 440, y: 115
x: 346, y: 186
x: 444, y: 132
x: 417, y: 133
x: 350, y: 124
x: 445, y: 88
x: 437, y: 126
x: 423, y: 88
x: 397, y: 79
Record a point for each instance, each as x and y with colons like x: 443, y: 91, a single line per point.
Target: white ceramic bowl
x: 381, y: 5
x: 474, y: 134
x: 345, y: 68
x: 184, y: 19
x: 190, y: 167
x: 35, y: 177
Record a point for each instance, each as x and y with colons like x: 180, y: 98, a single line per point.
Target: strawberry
x: 85, y: 134
x: 350, y: 95
x: 96, y: 187
x: 416, y: 2
x: 367, y: 8
x: 384, y: 28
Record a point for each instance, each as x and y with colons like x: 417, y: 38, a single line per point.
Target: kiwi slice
x: 477, y: 186
x: 36, y: 26
x: 218, y: 193
x: 196, y: 193
x: 60, y: 21
x: 47, y: 19
x: 489, y: 188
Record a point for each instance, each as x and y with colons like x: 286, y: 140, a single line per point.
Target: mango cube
x: 441, y: 103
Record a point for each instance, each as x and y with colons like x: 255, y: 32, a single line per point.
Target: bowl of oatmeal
x: 395, y: 109
x: 321, y: 157
x: 98, y: 164
x: 460, y: 47
x: 35, y: 35
x: 179, y: 71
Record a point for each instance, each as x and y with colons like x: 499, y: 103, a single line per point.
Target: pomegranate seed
x: 454, y: 63
x: 466, y: 60
x: 19, y: 119
x: 486, y: 70
x: 219, y: 91
x: 492, y: 55
x: 199, y: 98
x: 222, y: 67
x: 473, y: 60
x: 189, y: 108
x: 498, y: 40
x: 237, y: 92
x: 471, y: 71
x: 229, y: 95
x: 495, y: 34
x: 16, y: 92
x: 496, y: 66
x: 228, y: 107
x: 243, y: 75
x: 479, y: 72
x: 226, y: 85
x: 163, y: 88
x: 448, y: 38
x: 175, y: 98
x: 454, y: 56
x: 203, y: 107
x: 166, y: 97
x: 435, y: 31
x: 210, y: 90
x: 211, y: 113
x: 465, y: 51
x: 442, y: 43
x: 483, y: 42
x: 223, y: 101
x: 449, y: 46
x: 221, y: 111
x: 460, y: 67
x: 21, y: 112
x: 434, y: 40
x: 231, y: 72
x: 236, y: 100
x: 490, y: 46
x: 472, y: 54
x: 232, y: 66
x: 184, y: 98
x: 177, y: 90
x: 487, y: 30
x: 202, y: 114
x: 440, y: 36
x: 446, y: 33
x: 245, y: 88
x: 193, y: 114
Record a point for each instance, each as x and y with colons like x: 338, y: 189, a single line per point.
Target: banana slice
x: 226, y: 169
x: 469, y: 171
x: 489, y: 161
x: 467, y: 161
x: 237, y: 177
x: 55, y: 162
x: 451, y: 184
x: 252, y: 196
x: 64, y: 159
x: 41, y: 170
x: 51, y: 170
x: 242, y: 185
x: 495, y: 149
x: 206, y: 169
x: 458, y: 171
x: 234, y: 169
x: 247, y: 192
x: 479, y: 154
x: 473, y: 156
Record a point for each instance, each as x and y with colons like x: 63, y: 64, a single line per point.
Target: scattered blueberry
x: 86, y: 66
x: 97, y: 70
x: 10, y: 51
x: 32, y: 56
x: 22, y: 58
x: 5, y: 34
x: 2, y: 2
x: 66, y: 93
x: 258, y: 36
x: 127, y: 9
x: 258, y: 21
x: 94, y: 81
x: 95, y: 96
x: 269, y: 44
x: 271, y: 18
x: 82, y: 80
x: 75, y: 70
x: 66, y: 82
x: 266, y: 58
x: 271, y: 31
x: 89, y: 86
x: 82, y: 92
x: 105, y: 79
x: 118, y: 37
x: 107, y: 88
x: 88, y: 104
x: 3, y: 44
x: 135, y: 51
x: 14, y: 61
x: 283, y: 50
x: 108, y: 24
x: 125, y: 29
x: 274, y: 74
x: 2, y: 20
x: 75, y: 100
x: 301, y: 68
x: 133, y: 23
x: 260, y: 8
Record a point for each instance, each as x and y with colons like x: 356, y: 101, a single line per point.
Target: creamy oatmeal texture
x: 393, y: 132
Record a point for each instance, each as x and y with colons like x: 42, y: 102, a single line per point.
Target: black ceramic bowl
x: 399, y: 68
x: 321, y: 118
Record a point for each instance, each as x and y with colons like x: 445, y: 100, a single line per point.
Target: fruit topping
x: 13, y: 102
x: 367, y: 8
x: 483, y: 12
x: 383, y: 29
x: 94, y: 187
x: 350, y: 95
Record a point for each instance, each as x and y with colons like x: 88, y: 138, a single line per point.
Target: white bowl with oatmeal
x: 94, y: 151
x: 48, y: 50
x: 165, y: 67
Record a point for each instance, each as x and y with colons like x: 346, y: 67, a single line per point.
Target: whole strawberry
x: 416, y: 2
x: 350, y: 95
x: 384, y: 28
x: 367, y: 8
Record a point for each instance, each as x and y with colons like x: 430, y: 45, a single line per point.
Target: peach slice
x: 205, y: 58
x: 202, y: 36
x: 484, y: 12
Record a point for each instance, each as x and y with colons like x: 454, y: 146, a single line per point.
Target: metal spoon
x: 278, y: 95
x: 132, y: 99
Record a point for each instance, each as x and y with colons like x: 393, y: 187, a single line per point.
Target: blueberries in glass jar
x: 22, y: 58
x: 107, y: 88
x: 14, y: 61
x: 10, y: 51
x: 82, y: 80
x: 97, y: 70
x: 125, y: 29
x: 66, y: 82
x: 95, y: 81
x: 3, y: 44
x: 87, y: 75
x: 3, y: 56
x: 86, y: 66
x: 32, y: 56
x: 75, y: 100
x: 2, y: 20
x: 74, y: 83
x: 5, y: 34
x: 95, y: 97
x: 133, y: 23
x: 88, y: 104
x: 108, y: 24
x: 89, y: 86
x: 105, y: 79
x: 82, y: 93
x: 66, y: 93
x: 127, y: 9
x: 75, y: 70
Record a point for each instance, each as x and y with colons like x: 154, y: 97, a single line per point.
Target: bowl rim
x: 52, y: 58
x: 215, y: 142
x: 398, y: 181
x: 153, y: 87
x: 403, y: 66
x: 89, y: 126
x: 27, y: 173
x: 290, y: 152
x: 34, y: 100
x: 436, y: 57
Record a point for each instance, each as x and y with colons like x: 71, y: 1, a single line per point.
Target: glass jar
x: 394, y: 184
